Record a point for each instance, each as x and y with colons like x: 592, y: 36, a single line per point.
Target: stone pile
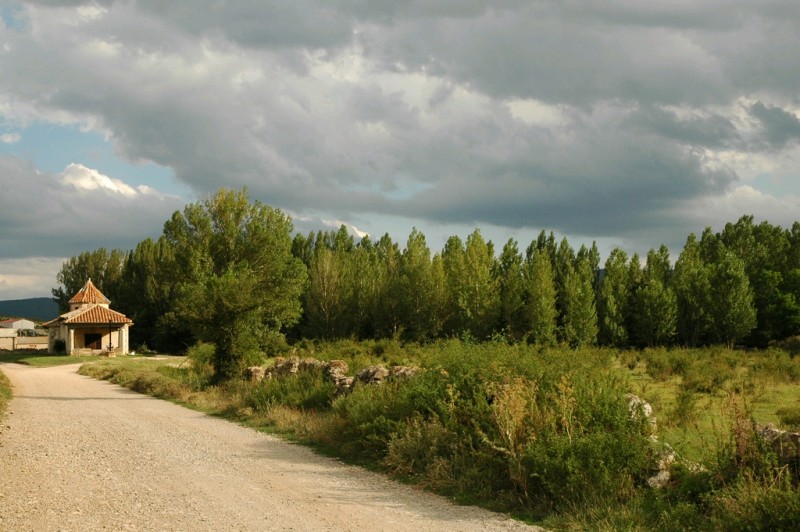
x: 333, y: 370
x: 785, y: 444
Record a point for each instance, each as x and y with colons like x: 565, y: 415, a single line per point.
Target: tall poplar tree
x: 540, y: 299
x: 615, y: 300
x: 692, y: 284
x: 580, y: 312
x: 509, y: 277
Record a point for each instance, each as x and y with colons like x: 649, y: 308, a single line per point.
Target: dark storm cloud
x: 708, y: 131
x: 599, y: 119
x: 779, y: 127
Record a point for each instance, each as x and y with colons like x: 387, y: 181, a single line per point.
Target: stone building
x: 90, y: 326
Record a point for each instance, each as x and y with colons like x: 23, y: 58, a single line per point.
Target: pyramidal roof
x: 89, y: 294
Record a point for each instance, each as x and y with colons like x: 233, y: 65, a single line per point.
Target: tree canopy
x: 230, y: 271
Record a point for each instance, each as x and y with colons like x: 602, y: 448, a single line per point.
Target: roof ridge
x: 89, y: 293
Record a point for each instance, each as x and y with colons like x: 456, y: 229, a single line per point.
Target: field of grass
x: 43, y: 360
x: 546, y: 435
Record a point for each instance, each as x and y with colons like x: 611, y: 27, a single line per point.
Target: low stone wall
x: 334, y: 370
x: 24, y: 342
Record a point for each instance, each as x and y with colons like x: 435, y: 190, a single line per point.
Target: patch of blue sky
x: 402, y: 189
x: 777, y: 184
x: 53, y: 147
x: 12, y: 15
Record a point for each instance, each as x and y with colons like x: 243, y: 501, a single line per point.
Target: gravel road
x: 78, y: 454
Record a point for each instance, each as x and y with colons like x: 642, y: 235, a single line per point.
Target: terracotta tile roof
x: 89, y: 294
x: 96, y: 315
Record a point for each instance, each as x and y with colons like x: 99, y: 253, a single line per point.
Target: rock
x: 336, y: 366
x: 402, y: 372
x: 288, y: 366
x: 373, y: 374
x: 785, y: 444
x: 309, y: 364
x: 639, y: 407
x: 255, y: 373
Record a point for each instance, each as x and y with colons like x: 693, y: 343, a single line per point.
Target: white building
x: 90, y: 326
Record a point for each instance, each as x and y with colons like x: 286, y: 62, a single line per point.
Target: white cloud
x: 28, y: 277
x: 10, y: 138
x: 83, y: 178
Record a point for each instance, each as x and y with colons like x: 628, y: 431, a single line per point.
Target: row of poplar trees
x: 231, y: 271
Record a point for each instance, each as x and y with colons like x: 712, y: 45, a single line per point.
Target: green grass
x: 525, y: 430
x: 5, y: 393
x: 39, y: 360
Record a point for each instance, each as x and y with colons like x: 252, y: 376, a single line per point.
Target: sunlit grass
x: 39, y: 360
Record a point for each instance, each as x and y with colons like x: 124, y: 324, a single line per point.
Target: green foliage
x: 237, y: 279
x: 732, y: 312
x: 308, y: 389
x: 522, y: 428
x: 578, y: 303
x: 5, y: 393
x: 540, y: 292
x: 789, y: 417
x: 103, y: 267
x: 201, y: 358
x: 615, y: 300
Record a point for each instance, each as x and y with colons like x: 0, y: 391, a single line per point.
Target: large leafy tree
x: 103, y: 267
x: 238, y: 282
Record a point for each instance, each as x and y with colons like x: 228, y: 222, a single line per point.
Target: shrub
x: 308, y: 389
x: 5, y: 393
x: 752, y: 504
x: 201, y: 356
x: 789, y: 416
x: 60, y: 346
x: 685, y: 410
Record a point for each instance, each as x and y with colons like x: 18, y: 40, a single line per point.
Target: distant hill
x: 35, y: 308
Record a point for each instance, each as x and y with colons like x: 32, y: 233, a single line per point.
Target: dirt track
x: 79, y: 454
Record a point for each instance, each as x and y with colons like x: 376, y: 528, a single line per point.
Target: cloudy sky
x: 626, y: 122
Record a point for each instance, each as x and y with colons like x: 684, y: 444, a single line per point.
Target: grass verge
x: 5, y: 394
x: 39, y: 360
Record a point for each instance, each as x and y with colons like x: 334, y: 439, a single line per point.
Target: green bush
x: 509, y: 423
x: 789, y: 417
x: 752, y: 504
x: 5, y: 393
x: 308, y: 389
x: 60, y: 346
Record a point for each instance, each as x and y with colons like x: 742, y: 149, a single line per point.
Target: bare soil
x: 80, y: 454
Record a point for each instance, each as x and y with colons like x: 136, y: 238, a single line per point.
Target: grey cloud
x: 229, y: 96
x: 41, y: 216
x: 779, y: 127
x: 619, y: 186
x: 709, y: 131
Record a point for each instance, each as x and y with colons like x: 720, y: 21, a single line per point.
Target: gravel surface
x: 78, y: 454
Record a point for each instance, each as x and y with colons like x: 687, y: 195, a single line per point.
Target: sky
x: 623, y: 122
